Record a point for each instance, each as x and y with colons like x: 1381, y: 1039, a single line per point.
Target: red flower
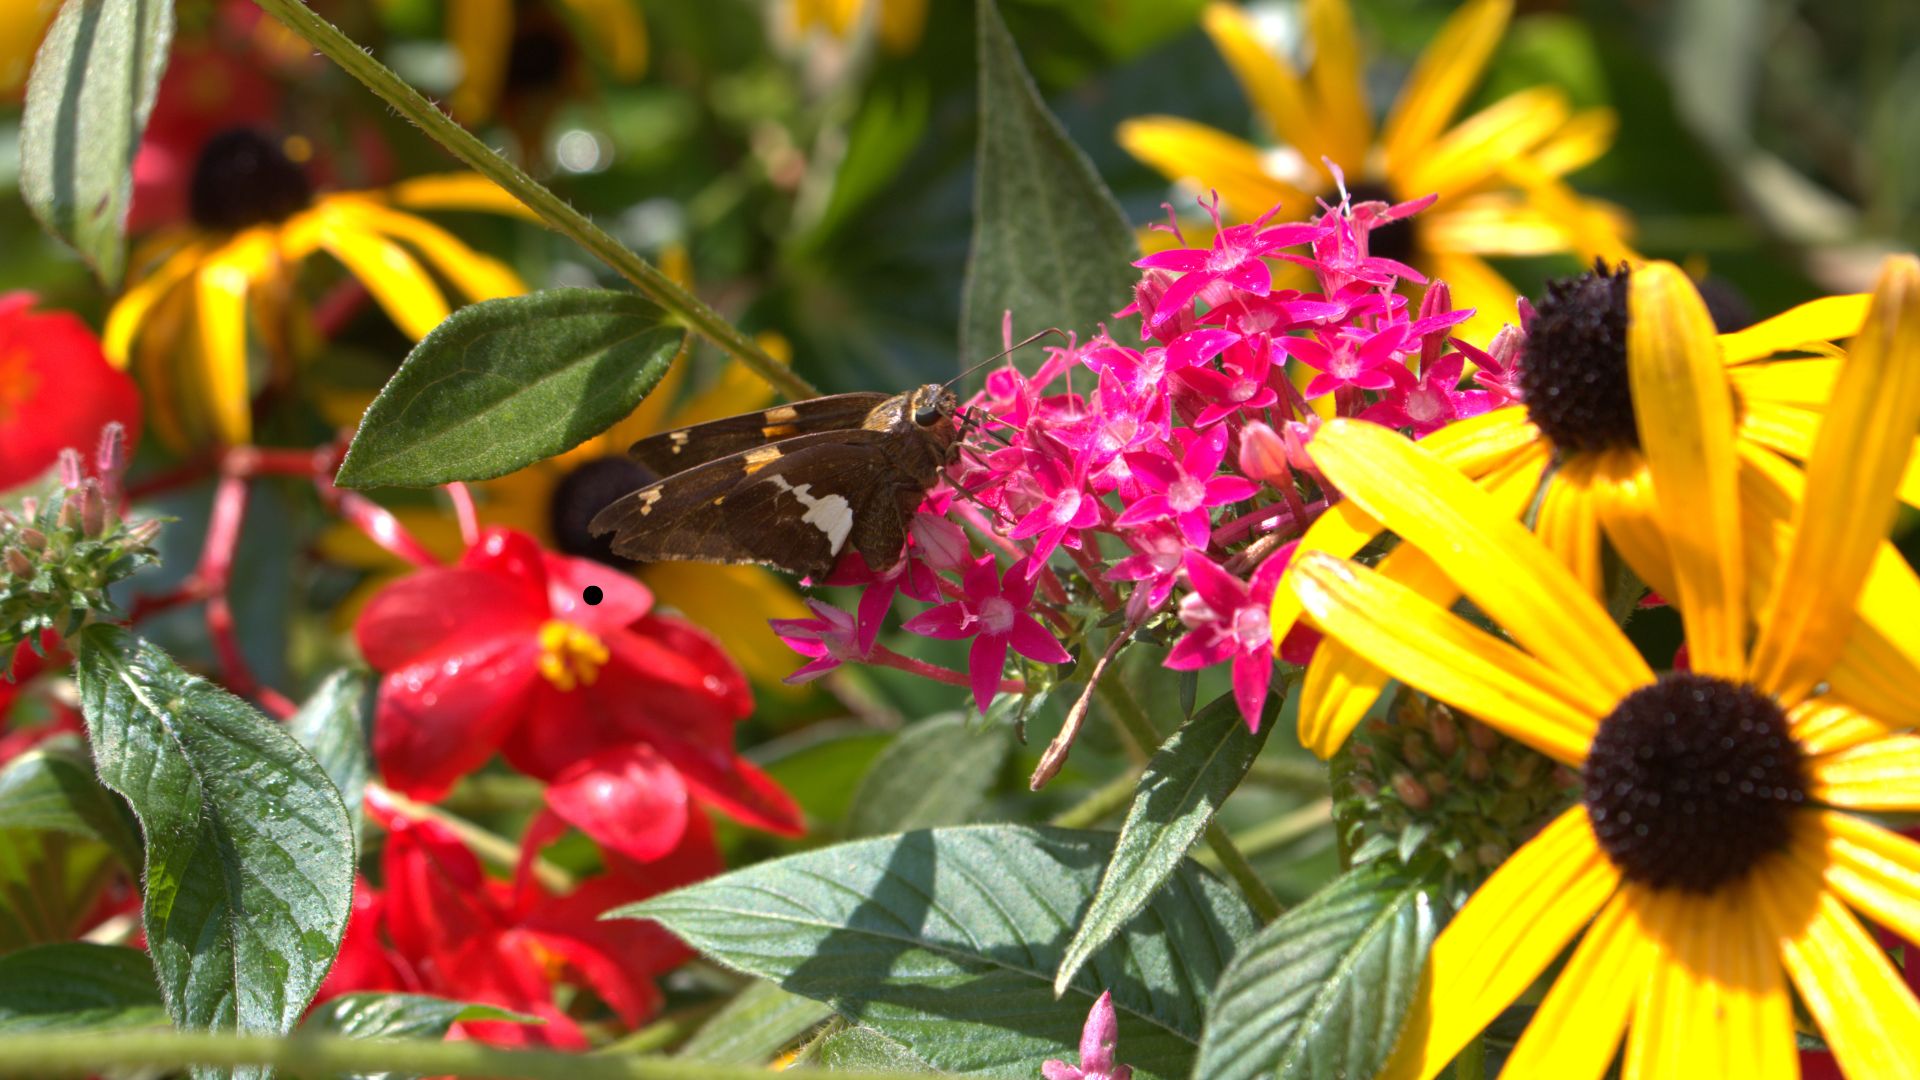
x: 56, y: 389
x: 623, y: 712
x: 442, y: 926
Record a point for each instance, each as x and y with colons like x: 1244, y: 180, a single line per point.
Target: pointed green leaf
x: 1049, y: 242
x: 504, y: 383
x: 88, y: 98
x: 936, y: 772
x: 249, y: 852
x: 78, y: 986
x: 50, y: 788
x: 857, y: 1047
x: 945, y: 940
x: 1185, y: 782
x: 1322, y: 992
x: 332, y: 726
x: 758, y: 1023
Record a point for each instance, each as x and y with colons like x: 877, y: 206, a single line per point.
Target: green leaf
x: 397, y: 1016
x: 332, y: 728
x: 758, y: 1023
x: 945, y: 940
x: 936, y: 772
x: 56, y: 789
x: 249, y: 852
x: 1185, y: 782
x: 857, y: 1047
x: 504, y: 383
x: 1049, y: 242
x: 92, y: 87
x: 1322, y: 992
x: 77, y: 986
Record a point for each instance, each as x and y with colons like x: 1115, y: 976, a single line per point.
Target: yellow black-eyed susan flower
x: 529, y: 47
x: 1498, y: 173
x: 1613, y: 365
x: 1720, y: 860
x: 203, y: 290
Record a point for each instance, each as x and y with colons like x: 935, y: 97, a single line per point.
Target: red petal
x: 735, y: 787
x: 622, y: 599
x: 629, y: 800
x: 438, y: 610
x: 443, y: 716
x: 57, y: 389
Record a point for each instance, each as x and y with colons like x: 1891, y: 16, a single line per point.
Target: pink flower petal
x: 1032, y: 641
x: 985, y: 661
x: 948, y: 622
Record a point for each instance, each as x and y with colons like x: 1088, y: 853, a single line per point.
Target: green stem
x: 1110, y: 798
x: 43, y: 1055
x: 1284, y: 830
x: 552, y: 209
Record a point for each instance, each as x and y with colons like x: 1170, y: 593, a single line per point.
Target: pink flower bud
x: 69, y: 515
x: 143, y: 532
x: 93, y: 509
x: 1263, y: 455
x: 34, y: 539
x: 18, y: 564
x: 70, y: 469
x: 942, y: 544
x: 110, y: 460
x: 1438, y: 300
x: 1411, y: 792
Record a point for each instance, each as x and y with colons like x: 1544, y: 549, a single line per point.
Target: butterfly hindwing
x: 686, y: 448
x: 797, y: 504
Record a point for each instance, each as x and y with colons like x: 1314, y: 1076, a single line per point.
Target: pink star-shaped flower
x: 1185, y: 488
x: 1429, y: 401
x: 1097, y: 1043
x: 1227, y: 619
x: 993, y: 612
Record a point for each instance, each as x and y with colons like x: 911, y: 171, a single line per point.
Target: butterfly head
x: 932, y: 407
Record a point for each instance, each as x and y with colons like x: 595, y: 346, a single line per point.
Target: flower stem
x: 552, y: 209
x: 1108, y: 799
x: 886, y: 657
x: 45, y: 1055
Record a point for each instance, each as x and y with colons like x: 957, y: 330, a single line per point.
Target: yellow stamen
x: 570, y: 656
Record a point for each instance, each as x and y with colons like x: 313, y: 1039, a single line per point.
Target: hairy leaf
x: 1323, y: 991
x: 936, y: 772
x: 1185, y: 782
x: 249, y: 852
x: 945, y: 940
x: 759, y: 1022
x: 88, y: 98
x: 331, y: 725
x: 77, y: 986
x: 504, y: 383
x: 1049, y: 241
x: 51, y: 788
x: 856, y: 1047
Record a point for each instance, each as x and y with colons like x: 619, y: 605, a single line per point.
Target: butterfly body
x: 793, y: 487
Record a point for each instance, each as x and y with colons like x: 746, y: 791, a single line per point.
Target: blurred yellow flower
x: 898, y: 24
x: 504, y: 45
x: 1498, y: 173
x: 183, y: 322
x: 22, y: 24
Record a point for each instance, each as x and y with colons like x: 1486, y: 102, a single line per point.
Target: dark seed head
x: 1573, y: 372
x: 242, y: 179
x: 585, y: 492
x: 539, y: 56
x: 1691, y: 781
x: 1394, y: 240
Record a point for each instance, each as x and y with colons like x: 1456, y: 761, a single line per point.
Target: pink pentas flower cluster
x: 1157, y: 484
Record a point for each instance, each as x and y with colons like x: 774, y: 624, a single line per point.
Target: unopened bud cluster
x: 62, y: 551
x: 1428, y: 780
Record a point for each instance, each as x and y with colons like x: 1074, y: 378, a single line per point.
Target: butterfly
x: 791, y: 487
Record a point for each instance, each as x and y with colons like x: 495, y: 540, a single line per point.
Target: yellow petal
x: 1623, y: 500
x: 1346, y: 123
x: 733, y: 603
x: 1341, y: 532
x: 1494, y: 560
x: 1846, y: 982
x: 1684, y: 412
x: 1479, y: 145
x: 1875, y: 869
x: 1210, y: 159
x: 1495, y: 223
x: 1790, y: 428
x: 479, y: 277
x: 1592, y: 229
x: 22, y: 24
x: 165, y: 363
x: 396, y: 279
x: 1715, y: 1003
x: 1580, y: 142
x: 1576, y: 1029
x: 1802, y: 384
x: 1878, y: 665
x: 1268, y: 79
x: 1879, y: 775
x: 456, y: 191
x: 1827, y: 319
x: 221, y: 299
x: 616, y: 29
x: 481, y: 31
x: 1852, y: 474
x: 1448, y: 69
x: 1569, y: 523
x: 1481, y: 444
x: 1439, y: 653
x: 130, y: 312
x: 1827, y: 725
x: 902, y: 22
x: 1511, y: 929
x: 1340, y: 685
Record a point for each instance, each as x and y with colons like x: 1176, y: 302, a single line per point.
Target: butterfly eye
x: 926, y: 415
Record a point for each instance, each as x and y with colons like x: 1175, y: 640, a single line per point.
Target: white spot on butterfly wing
x: 831, y: 514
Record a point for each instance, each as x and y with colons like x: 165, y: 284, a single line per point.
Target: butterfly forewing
x: 685, y: 448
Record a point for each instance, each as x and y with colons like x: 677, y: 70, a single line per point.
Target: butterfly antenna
x: 1007, y: 352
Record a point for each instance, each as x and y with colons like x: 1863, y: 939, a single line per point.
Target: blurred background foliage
x: 819, y: 187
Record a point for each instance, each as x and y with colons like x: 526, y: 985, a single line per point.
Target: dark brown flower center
x: 1691, y: 781
x: 1573, y: 372
x: 541, y: 51
x: 585, y: 492
x: 1394, y: 240
x: 242, y: 179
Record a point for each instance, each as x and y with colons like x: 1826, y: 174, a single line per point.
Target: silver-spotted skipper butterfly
x: 792, y: 486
